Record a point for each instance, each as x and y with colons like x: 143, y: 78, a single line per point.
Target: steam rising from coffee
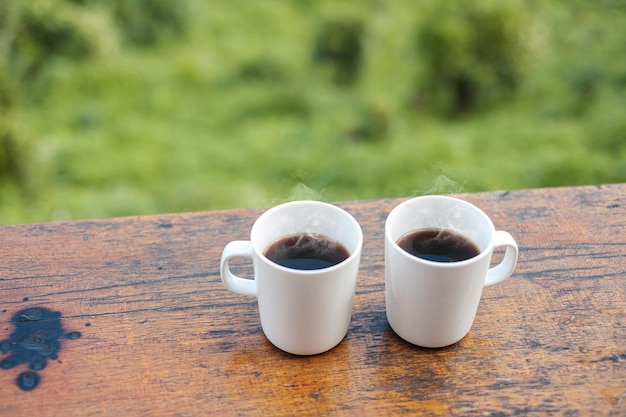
x: 306, y: 251
x: 448, y: 220
x: 441, y: 184
x: 301, y: 191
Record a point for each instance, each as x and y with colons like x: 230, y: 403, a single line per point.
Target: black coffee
x: 438, y: 245
x: 306, y: 251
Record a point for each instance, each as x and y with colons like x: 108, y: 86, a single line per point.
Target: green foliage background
x: 125, y: 107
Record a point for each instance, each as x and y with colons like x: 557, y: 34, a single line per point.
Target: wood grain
x: 162, y: 336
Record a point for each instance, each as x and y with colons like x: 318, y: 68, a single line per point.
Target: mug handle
x: 237, y: 249
x: 505, y: 268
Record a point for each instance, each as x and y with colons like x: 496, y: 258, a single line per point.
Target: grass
x: 237, y: 115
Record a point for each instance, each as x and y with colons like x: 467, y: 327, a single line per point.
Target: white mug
x: 304, y: 312
x: 430, y: 303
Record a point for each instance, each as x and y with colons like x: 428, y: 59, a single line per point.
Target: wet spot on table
x: 36, y: 339
x: 74, y: 335
x: 28, y: 380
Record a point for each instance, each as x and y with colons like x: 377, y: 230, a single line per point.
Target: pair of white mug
x: 428, y: 303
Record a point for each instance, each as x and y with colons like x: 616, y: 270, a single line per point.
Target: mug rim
x: 304, y: 272
x: 483, y: 252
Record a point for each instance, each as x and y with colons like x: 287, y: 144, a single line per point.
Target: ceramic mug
x: 304, y: 312
x: 431, y: 303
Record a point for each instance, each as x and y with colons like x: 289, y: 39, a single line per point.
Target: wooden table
x: 160, y: 335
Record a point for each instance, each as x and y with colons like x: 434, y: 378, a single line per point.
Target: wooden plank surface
x: 160, y: 335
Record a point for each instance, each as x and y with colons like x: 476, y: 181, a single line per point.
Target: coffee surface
x: 306, y: 251
x: 439, y: 245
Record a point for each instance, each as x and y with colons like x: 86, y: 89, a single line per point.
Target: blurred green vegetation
x: 125, y: 107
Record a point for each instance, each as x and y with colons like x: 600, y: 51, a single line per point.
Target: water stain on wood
x: 36, y: 339
x: 28, y: 380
